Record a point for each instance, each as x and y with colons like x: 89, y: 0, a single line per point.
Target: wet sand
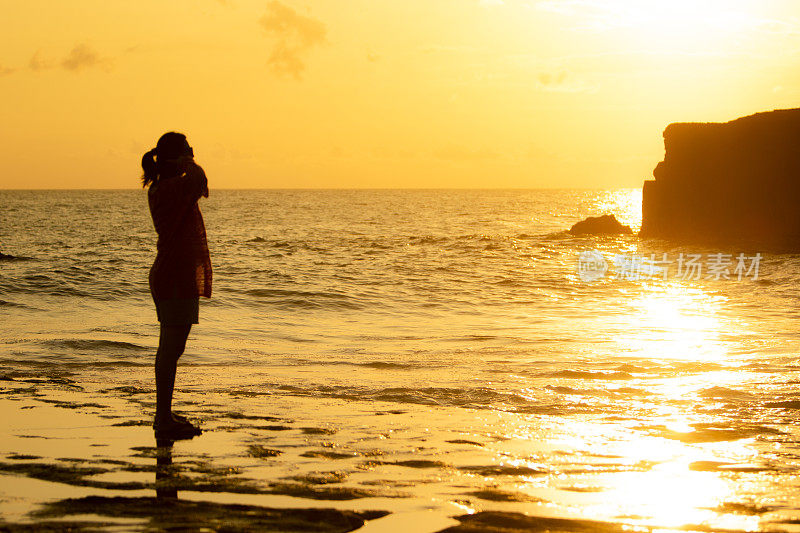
x: 75, y: 454
x: 80, y: 460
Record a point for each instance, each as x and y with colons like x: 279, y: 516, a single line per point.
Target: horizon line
x: 333, y: 188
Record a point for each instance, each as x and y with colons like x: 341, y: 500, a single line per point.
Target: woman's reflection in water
x: 165, y: 472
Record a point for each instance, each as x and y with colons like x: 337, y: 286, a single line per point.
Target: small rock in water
x: 606, y: 224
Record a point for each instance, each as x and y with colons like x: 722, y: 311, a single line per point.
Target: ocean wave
x: 377, y: 365
x: 703, y: 433
x: 276, y: 243
x: 480, y: 397
x: 589, y: 374
x: 293, y: 338
x: 284, y: 245
x: 4, y: 303
x: 512, y: 282
x: 381, y: 365
x: 724, y: 393
x: 60, y: 364
x: 427, y: 239
x: 95, y: 345
x: 472, y: 337
x: 670, y: 368
x: 9, y: 257
x: 385, y: 365
x: 504, y: 470
x: 283, y: 293
x: 602, y: 393
x: 787, y: 404
x: 558, y: 236
x: 303, y: 299
x: 45, y: 284
x: 467, y: 398
x: 470, y: 240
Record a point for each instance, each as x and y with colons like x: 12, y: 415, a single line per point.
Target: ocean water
x: 462, y: 313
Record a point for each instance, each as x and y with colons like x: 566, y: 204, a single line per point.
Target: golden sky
x: 380, y: 93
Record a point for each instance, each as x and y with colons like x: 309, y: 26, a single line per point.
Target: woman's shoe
x: 180, y: 418
x: 176, y: 430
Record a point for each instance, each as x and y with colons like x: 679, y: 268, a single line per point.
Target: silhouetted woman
x: 181, y: 272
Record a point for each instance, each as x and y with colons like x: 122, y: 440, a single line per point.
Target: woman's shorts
x: 178, y: 311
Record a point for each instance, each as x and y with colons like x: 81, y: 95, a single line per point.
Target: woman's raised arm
x: 197, y: 180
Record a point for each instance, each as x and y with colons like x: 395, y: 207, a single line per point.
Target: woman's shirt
x: 182, y: 268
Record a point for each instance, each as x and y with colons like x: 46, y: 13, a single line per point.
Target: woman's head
x: 163, y: 160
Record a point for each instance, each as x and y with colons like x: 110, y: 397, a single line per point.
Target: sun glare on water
x: 624, y: 204
x: 678, y: 323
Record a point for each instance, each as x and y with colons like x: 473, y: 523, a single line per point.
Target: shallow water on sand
x: 429, y: 353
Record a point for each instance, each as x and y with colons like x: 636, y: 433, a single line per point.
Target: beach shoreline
x: 72, y: 461
x: 81, y: 455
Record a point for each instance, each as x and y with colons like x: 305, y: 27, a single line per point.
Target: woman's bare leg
x: 171, y: 344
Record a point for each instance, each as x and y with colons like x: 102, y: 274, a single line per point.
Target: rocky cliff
x: 737, y: 180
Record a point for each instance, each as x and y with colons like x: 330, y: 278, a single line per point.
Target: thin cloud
x: 5, y: 71
x: 562, y: 82
x: 546, y: 78
x: 36, y: 62
x: 82, y: 56
x: 295, y: 35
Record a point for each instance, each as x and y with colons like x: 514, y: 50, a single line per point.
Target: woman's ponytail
x: 150, y: 168
x: 161, y: 161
